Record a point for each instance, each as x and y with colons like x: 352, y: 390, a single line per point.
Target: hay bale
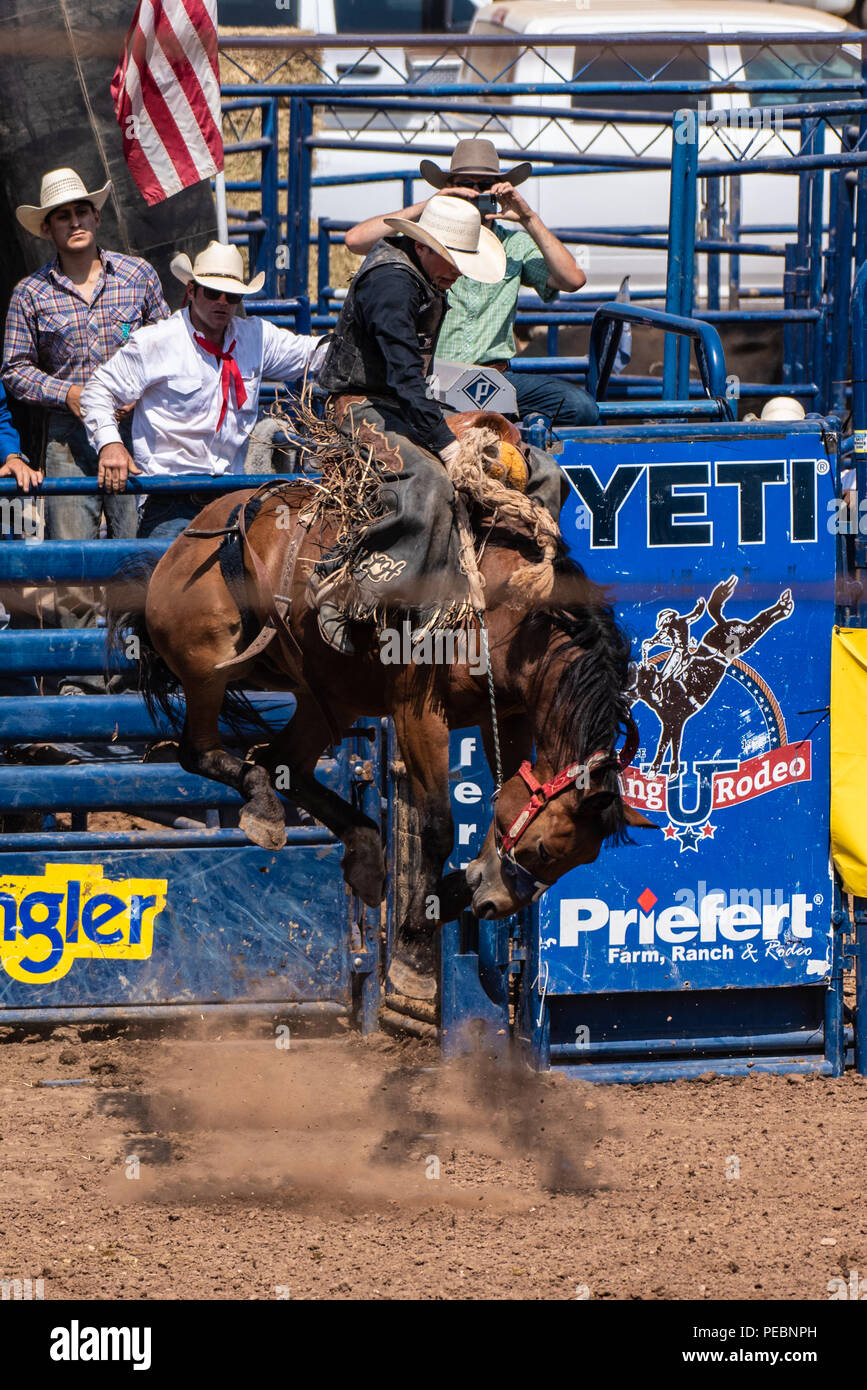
x: 264, y: 65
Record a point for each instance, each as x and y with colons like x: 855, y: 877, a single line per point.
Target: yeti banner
x: 720, y: 557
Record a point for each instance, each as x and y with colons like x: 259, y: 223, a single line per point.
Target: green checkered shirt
x: 480, y: 318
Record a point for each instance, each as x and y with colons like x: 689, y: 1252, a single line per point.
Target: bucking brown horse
x: 559, y: 676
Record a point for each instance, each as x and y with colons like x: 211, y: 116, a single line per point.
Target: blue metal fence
x: 816, y: 270
x: 227, y: 924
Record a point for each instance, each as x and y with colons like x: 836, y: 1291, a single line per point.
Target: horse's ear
x: 633, y: 817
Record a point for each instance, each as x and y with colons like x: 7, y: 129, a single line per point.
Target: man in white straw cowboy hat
x: 64, y: 321
x: 375, y: 370
x: 196, y: 379
x: 480, y: 323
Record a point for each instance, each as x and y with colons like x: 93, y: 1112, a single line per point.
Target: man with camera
x: 479, y: 324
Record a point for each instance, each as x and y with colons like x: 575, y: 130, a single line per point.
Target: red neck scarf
x: 231, y: 373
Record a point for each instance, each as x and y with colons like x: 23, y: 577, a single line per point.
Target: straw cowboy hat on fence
x: 218, y: 267
x: 59, y: 187
x: 474, y: 159
x: 453, y: 228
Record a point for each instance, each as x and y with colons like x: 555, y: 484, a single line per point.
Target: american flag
x: 166, y: 94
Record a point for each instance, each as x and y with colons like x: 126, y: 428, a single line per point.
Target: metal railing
x: 815, y: 266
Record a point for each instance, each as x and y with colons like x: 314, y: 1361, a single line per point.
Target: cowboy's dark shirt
x: 389, y: 300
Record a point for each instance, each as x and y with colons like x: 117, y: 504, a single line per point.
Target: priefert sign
x: 681, y: 926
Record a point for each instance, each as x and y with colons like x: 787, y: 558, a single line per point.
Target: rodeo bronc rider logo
x: 679, y: 683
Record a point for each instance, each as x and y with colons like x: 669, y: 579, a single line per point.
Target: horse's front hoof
x: 267, y: 834
x: 363, y: 866
x: 409, y: 980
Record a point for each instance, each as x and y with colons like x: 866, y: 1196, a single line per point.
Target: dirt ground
x: 218, y: 1165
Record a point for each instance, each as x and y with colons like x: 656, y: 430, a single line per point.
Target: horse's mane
x: 590, y: 702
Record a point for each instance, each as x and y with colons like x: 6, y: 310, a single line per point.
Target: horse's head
x: 542, y: 830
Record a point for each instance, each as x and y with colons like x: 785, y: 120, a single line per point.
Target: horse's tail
x: 127, y: 636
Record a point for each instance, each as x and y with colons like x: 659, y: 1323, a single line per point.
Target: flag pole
x: 222, y: 213
x: 220, y: 181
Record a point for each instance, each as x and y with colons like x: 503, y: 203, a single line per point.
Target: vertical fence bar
x: 683, y: 129
x: 831, y: 262
x: 300, y: 130
x: 835, y: 1049
x: 323, y: 263
x: 861, y: 200
x: 713, y: 229
x: 842, y: 205
x: 305, y: 168
x: 789, y: 302
x: 801, y: 269
x: 816, y: 333
x: 367, y: 787
x: 860, y: 987
x: 859, y: 397
x: 733, y: 233
x: 293, y: 192
x: 687, y: 284
x: 267, y: 258
x: 817, y: 207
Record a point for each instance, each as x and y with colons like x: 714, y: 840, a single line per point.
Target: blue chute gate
x: 712, y: 934
x: 714, y: 942
x: 184, y: 915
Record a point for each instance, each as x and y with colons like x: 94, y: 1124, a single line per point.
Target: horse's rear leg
x: 201, y: 751
x: 296, y: 750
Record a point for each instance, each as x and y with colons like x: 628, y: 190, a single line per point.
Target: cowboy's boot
x: 333, y: 623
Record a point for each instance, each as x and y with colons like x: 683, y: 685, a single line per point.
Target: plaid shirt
x: 479, y: 323
x: 55, y: 339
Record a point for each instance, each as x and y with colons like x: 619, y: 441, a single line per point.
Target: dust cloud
x: 346, y: 1125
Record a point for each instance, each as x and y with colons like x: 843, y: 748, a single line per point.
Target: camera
x: 487, y: 204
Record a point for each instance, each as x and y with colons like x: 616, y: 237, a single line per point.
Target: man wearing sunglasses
x: 480, y: 322
x: 196, y: 378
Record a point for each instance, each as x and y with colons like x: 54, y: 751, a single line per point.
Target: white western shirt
x: 178, y: 390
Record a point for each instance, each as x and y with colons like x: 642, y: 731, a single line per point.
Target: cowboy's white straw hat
x: 782, y: 408
x: 218, y: 267
x: 58, y: 187
x: 453, y: 228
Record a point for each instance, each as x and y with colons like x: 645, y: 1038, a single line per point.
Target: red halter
x: 543, y: 792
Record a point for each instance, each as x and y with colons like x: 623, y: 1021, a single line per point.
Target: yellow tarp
x: 849, y: 757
